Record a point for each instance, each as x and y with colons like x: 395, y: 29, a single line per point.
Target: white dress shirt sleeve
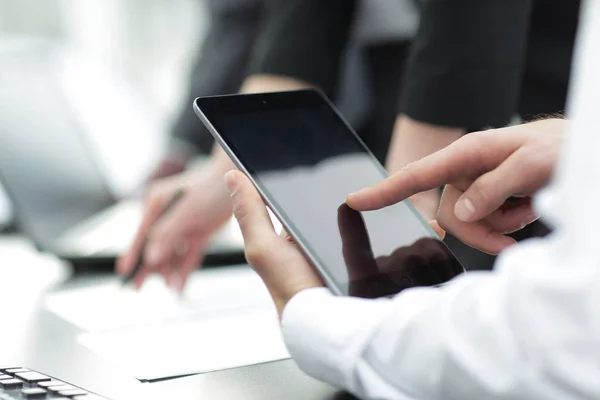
x: 529, y: 329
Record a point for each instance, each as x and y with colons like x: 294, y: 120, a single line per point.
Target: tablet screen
x: 306, y: 160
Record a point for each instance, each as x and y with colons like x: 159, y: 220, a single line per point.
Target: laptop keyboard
x: 22, y: 383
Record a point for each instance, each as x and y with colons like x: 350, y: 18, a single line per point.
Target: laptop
x: 60, y: 195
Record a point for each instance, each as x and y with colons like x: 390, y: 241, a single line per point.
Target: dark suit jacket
x: 304, y: 39
x: 473, y: 64
x: 222, y: 63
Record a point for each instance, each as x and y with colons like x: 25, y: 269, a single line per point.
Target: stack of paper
x: 226, y: 320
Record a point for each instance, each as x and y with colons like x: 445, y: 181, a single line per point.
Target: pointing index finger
x: 464, y: 158
x: 416, y: 177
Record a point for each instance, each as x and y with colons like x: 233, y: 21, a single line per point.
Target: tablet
x: 305, y: 159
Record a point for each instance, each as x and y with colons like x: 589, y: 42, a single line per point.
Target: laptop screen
x: 45, y: 165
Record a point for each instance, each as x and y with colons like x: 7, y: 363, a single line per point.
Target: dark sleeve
x: 304, y: 39
x: 222, y: 63
x: 467, y: 62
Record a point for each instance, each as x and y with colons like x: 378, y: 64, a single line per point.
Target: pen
x: 140, y: 259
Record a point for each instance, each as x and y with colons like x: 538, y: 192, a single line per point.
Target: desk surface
x: 40, y: 340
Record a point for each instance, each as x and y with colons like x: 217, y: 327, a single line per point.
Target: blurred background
x: 121, y: 66
x: 95, y: 98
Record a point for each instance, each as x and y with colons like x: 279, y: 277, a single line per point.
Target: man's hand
x: 481, y: 170
x: 175, y: 242
x: 278, y: 261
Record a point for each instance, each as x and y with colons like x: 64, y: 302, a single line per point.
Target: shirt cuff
x: 473, y: 100
x: 325, y: 334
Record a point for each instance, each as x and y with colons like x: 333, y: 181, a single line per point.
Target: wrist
x: 413, y: 140
x: 272, y: 83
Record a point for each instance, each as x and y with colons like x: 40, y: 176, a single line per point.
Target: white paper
x: 192, y: 345
x: 106, y: 305
x: 226, y: 320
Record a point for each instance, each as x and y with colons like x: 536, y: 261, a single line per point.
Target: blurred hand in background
x: 175, y: 242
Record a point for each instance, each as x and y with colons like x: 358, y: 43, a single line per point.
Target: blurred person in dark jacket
x: 220, y: 68
x: 473, y: 64
x: 479, y: 64
x: 355, y: 52
x: 299, y: 44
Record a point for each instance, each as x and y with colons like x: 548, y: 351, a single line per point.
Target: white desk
x: 24, y: 275
x: 36, y: 338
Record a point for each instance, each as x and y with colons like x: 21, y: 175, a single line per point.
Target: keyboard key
x: 11, y: 384
x: 72, y: 393
x: 47, y: 384
x: 17, y: 383
x: 32, y: 377
x: 5, y: 368
x: 34, y: 393
x: 13, y: 371
x: 56, y: 389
